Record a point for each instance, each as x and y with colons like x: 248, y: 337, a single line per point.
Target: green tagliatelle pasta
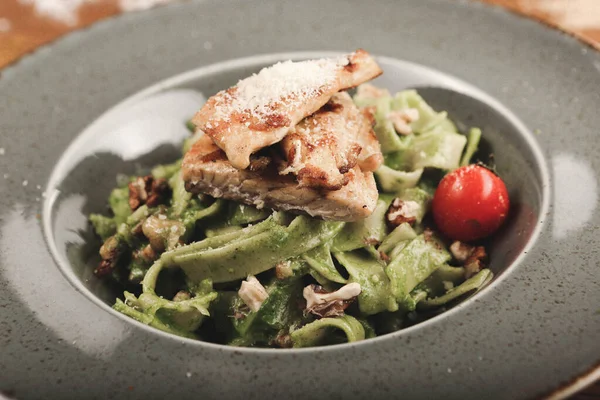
x: 316, y: 332
x: 229, y: 273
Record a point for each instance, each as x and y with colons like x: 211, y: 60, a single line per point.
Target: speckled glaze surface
x: 520, y: 338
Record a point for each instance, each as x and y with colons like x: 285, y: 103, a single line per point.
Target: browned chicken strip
x: 261, y: 109
x: 370, y: 158
x: 206, y: 170
x: 323, y: 147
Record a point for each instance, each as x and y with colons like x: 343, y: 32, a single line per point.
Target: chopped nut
x: 282, y: 340
x: 283, y: 270
x: 110, y: 252
x: 238, y: 315
x: 147, y: 254
x: 401, y: 120
x: 460, y: 251
x: 427, y: 234
x: 104, y: 268
x: 401, y: 211
x: 252, y: 293
x: 409, y: 114
x: 472, y: 268
x: 324, y: 304
x: 110, y: 248
x: 158, y: 192
x: 162, y: 233
x: 401, y: 126
x: 137, y: 229
x: 138, y: 191
x: 471, y: 257
x: 147, y: 190
x: 478, y: 254
x: 465, y: 253
x: 181, y: 296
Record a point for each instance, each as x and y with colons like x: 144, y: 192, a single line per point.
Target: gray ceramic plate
x: 532, y: 332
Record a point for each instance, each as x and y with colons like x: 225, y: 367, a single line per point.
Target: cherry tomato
x: 470, y: 203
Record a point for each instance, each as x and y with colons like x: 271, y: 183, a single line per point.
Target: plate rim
x: 578, y: 380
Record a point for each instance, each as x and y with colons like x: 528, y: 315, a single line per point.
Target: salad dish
x: 302, y: 215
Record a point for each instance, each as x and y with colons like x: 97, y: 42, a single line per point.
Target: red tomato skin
x: 470, y: 203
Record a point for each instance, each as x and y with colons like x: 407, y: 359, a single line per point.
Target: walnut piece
x: 325, y: 304
x: 472, y: 268
x: 147, y: 190
x: 182, y: 295
x: 147, y: 255
x: 282, y: 340
x: 401, y: 120
x: 283, y: 270
x: 110, y: 252
x: 252, y: 293
x: 401, y: 211
x: 471, y: 257
x: 162, y: 233
x: 460, y: 251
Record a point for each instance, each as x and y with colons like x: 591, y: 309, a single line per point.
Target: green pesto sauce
x: 181, y: 263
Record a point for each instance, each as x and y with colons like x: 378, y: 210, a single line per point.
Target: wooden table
x: 23, y: 28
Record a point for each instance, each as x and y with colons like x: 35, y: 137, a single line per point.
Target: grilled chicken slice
x: 323, y: 147
x: 370, y: 157
x: 206, y: 170
x: 261, y: 109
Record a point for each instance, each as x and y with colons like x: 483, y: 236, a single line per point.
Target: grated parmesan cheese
x: 290, y: 81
